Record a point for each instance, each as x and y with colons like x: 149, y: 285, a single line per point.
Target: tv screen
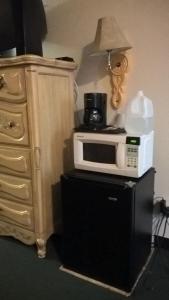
x: 22, y: 26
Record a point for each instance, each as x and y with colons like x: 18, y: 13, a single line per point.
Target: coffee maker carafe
x: 95, y: 105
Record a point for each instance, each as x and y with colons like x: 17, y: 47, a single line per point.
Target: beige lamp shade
x: 109, y: 37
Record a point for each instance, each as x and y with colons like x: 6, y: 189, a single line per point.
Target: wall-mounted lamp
x: 110, y: 40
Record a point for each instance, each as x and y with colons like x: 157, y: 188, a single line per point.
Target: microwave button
x: 132, y: 162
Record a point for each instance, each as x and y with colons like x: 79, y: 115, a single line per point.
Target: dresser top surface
x: 36, y: 60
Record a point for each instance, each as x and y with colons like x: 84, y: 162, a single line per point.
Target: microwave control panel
x: 132, y: 156
x: 132, y: 147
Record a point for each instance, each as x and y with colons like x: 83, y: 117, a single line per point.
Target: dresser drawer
x: 14, y: 124
x: 12, y: 85
x: 15, y: 162
x: 15, y: 188
x: 16, y: 213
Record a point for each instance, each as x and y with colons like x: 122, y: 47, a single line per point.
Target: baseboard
x: 161, y: 242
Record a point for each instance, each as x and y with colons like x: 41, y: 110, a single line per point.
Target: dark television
x: 22, y: 26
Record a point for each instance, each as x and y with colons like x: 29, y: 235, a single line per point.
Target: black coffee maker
x: 95, y: 108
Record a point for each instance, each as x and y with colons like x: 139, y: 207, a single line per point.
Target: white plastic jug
x: 139, y: 115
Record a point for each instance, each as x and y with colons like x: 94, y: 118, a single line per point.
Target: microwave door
x: 99, y: 153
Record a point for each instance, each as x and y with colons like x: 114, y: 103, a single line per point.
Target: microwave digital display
x: 133, y: 140
x: 99, y: 153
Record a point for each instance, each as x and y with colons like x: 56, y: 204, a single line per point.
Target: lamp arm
x: 109, y: 68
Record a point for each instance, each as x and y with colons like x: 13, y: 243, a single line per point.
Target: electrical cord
x: 76, y: 90
x: 158, y: 227
x: 165, y: 225
x: 159, y: 242
x: 155, y: 229
x: 164, y: 208
x: 162, y: 217
x: 160, y: 207
x: 76, y: 96
x: 157, y: 253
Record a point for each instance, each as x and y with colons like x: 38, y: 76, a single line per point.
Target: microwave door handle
x: 120, y: 156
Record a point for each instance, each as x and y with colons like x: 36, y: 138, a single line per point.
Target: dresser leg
x: 41, y: 245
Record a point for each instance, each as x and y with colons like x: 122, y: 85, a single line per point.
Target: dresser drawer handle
x: 2, y: 81
x: 14, y: 211
x: 10, y: 125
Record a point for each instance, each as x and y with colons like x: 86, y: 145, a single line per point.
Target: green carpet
x: 24, y: 276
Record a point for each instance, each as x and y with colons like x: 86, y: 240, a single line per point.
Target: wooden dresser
x: 36, y: 122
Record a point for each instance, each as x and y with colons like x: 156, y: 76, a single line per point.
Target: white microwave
x: 119, y: 154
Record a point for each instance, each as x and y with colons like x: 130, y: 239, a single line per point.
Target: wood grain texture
x: 12, y: 85
x: 15, y: 188
x: 20, y: 233
x: 39, y: 149
x: 15, y: 161
x: 13, y: 124
x: 16, y: 213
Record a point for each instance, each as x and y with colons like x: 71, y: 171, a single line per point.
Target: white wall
x: 71, y: 27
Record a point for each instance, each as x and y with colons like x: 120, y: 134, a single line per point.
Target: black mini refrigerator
x: 107, y: 226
